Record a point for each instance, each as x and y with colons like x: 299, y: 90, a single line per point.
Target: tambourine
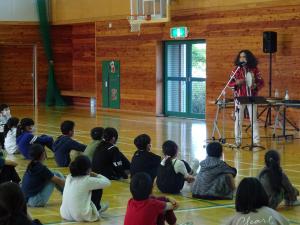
x: 249, y: 79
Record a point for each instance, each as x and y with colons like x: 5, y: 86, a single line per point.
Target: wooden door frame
x: 34, y: 67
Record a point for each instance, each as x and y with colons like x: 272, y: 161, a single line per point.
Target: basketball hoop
x: 135, y: 23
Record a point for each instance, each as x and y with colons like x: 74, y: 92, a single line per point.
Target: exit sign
x: 179, y: 32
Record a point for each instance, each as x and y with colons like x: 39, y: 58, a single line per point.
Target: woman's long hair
x: 251, y: 59
x: 274, y: 171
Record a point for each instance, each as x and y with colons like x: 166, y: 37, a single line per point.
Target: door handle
x: 106, y: 85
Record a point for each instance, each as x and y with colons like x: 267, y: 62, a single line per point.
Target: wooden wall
x: 229, y: 31
x: 74, y: 54
x: 23, y: 35
x: 239, y: 26
x: 78, y: 11
x: 16, y: 74
x: 137, y: 55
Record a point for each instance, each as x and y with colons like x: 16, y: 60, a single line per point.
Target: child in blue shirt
x: 25, y: 137
x: 64, y: 144
x: 38, y: 181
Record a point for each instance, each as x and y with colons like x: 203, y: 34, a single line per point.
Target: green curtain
x: 53, y: 96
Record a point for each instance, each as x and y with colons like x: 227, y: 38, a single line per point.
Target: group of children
x: 92, y: 167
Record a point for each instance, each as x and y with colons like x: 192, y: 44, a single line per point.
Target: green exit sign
x: 179, y: 32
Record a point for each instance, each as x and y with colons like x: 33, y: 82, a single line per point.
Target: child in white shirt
x: 4, y: 116
x: 252, y: 205
x: 10, y: 132
x: 77, y: 204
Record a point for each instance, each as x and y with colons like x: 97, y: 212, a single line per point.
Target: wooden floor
x: 190, y: 136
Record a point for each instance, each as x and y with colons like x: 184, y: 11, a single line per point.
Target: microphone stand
x: 223, y: 105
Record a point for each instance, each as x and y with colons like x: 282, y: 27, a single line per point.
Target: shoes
x: 104, y: 207
x: 292, y: 203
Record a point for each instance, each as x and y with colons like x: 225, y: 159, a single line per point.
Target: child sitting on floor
x: 38, y: 181
x: 77, y: 202
x: 4, y: 116
x: 172, y: 172
x: 64, y: 145
x: 252, y: 207
x: 25, y: 137
x: 216, y: 178
x: 144, y: 209
x: 10, y: 134
x: 13, y: 209
x: 7, y: 170
x: 107, y: 158
x: 97, y: 136
x: 143, y: 159
x: 276, y: 182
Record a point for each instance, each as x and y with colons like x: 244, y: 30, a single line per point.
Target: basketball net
x: 135, y: 24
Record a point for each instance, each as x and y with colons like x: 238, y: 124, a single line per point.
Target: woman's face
x: 243, y: 57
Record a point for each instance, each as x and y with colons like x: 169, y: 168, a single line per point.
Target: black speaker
x: 269, y: 42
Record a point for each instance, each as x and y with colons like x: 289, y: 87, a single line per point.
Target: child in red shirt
x: 143, y: 209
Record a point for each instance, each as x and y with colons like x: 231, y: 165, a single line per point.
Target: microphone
x: 241, y: 64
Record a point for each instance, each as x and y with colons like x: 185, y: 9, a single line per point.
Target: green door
x: 111, y: 84
x: 185, y: 79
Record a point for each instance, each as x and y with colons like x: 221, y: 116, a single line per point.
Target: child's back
x: 212, y: 181
x: 145, y: 209
x: 276, y: 183
x: 77, y: 202
x: 215, y: 179
x: 108, y: 160
x: 62, y: 147
x: 103, y: 159
x: 64, y: 144
x: 143, y: 160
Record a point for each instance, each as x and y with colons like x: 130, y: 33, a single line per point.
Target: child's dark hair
x: 250, y: 196
x: 141, y: 186
x: 169, y: 148
x: 11, y: 122
x: 3, y: 106
x: 67, y: 126
x: 142, y: 141
x: 97, y: 133
x: 25, y: 122
x: 274, y: 171
x: 12, y: 203
x: 110, y: 133
x: 80, y: 166
x: 35, y: 153
x: 214, y: 149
